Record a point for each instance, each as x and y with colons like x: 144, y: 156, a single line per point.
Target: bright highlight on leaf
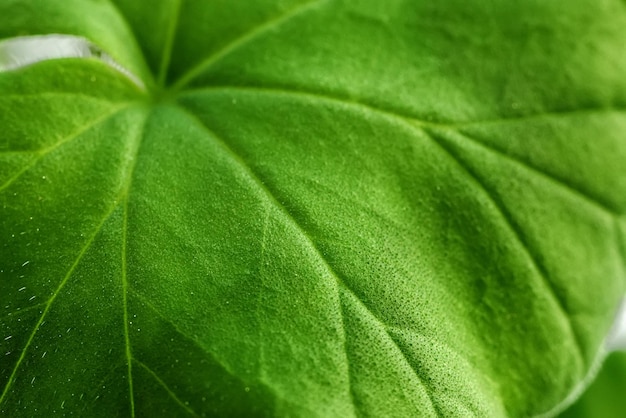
x: 27, y: 50
x: 312, y: 208
x: 617, y: 337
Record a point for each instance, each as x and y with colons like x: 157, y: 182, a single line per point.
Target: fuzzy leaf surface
x: 316, y: 208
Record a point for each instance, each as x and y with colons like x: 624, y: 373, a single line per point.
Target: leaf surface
x: 320, y: 208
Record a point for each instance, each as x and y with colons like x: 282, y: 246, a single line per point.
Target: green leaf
x: 605, y: 397
x: 315, y: 208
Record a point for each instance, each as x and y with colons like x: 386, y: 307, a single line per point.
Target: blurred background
x: 606, y: 397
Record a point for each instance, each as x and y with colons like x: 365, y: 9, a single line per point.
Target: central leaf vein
x: 404, y: 118
x: 127, y: 348
x: 339, y: 281
x: 131, y: 155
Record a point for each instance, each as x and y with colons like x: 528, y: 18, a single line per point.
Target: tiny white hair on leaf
x: 22, y: 51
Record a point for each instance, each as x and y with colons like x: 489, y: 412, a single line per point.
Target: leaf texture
x: 315, y: 208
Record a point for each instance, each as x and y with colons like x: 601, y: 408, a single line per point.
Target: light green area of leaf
x: 323, y: 208
x: 606, y: 397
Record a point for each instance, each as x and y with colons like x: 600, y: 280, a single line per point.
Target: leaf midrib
x: 161, y: 77
x: 423, y: 125
x: 349, y: 101
x: 537, y: 268
x: 339, y: 281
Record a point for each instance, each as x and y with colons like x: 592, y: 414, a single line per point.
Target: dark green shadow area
x: 606, y: 397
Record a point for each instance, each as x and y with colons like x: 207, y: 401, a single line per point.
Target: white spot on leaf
x: 617, y: 337
x: 23, y: 51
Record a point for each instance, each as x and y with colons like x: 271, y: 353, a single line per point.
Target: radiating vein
x: 76, y: 134
x: 351, y: 393
x: 166, y: 387
x: 252, y: 175
x: 53, y: 94
x: 403, y: 355
x: 394, y: 114
x: 595, y: 201
x: 432, y: 341
x: 132, y: 156
x: 57, y: 291
x: 73, y: 267
x: 592, y: 110
x: 170, y: 38
x: 28, y: 308
x: 246, y: 38
x: 259, y: 296
x: 334, y: 97
x: 423, y: 127
x: 519, y: 236
x: 149, y: 304
x: 81, y: 254
x: 191, y: 339
x: 127, y: 349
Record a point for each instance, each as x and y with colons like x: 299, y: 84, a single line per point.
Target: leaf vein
x: 51, y: 300
x: 244, y: 39
x: 74, y: 135
x: 28, y: 308
x: 343, y: 98
x: 405, y: 358
x: 422, y: 124
x: 348, y: 362
x: 127, y: 348
x: 594, y: 201
x: 166, y: 387
x: 246, y: 168
x: 169, y: 43
x: 519, y: 236
x: 149, y: 304
x: 131, y: 160
x: 193, y: 340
